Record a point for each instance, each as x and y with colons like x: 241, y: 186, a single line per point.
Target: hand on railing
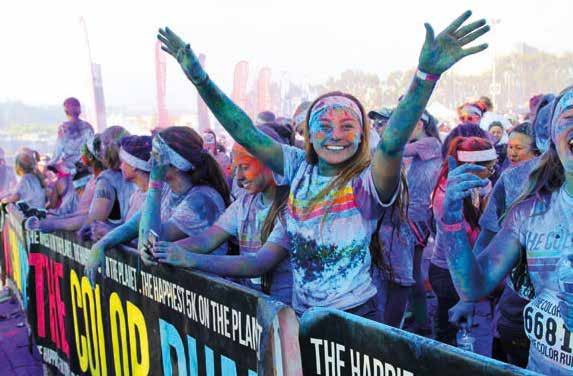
x: 95, y: 260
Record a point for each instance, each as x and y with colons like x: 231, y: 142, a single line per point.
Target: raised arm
x: 438, y: 55
x: 231, y: 116
x: 253, y: 265
x: 474, y: 276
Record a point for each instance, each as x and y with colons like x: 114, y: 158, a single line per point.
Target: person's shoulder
x: 87, y: 125
x: 204, y: 192
x: 110, y: 176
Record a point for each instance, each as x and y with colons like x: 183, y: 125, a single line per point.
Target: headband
x: 336, y: 101
x: 174, y: 157
x: 564, y: 103
x: 470, y: 109
x: 90, y: 147
x: 300, y: 118
x: 133, y: 161
x: 477, y: 156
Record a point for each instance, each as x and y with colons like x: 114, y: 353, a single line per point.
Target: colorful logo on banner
x: 137, y: 320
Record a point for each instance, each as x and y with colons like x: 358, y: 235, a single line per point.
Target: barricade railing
x: 140, y: 319
x: 161, y: 320
x: 334, y: 342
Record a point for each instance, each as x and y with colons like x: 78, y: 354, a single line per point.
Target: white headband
x: 90, y: 147
x: 336, y: 101
x: 133, y: 161
x: 477, y: 156
x: 300, y: 118
x: 174, y: 158
x: 565, y: 102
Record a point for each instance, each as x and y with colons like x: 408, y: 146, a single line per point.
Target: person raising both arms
x: 336, y: 186
x: 543, y: 211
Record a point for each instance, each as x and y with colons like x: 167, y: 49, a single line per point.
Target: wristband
x: 427, y: 76
x: 155, y: 184
x: 454, y: 227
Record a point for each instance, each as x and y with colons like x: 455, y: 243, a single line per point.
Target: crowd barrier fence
x: 159, y: 320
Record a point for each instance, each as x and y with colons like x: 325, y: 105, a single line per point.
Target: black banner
x: 140, y: 320
x: 337, y: 343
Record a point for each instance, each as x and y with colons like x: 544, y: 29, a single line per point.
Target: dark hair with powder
x: 463, y: 130
x: 189, y: 145
x: 138, y: 146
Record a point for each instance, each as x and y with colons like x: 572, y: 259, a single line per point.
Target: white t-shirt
x: 330, y: 259
x: 30, y: 190
x: 545, y: 231
x: 244, y: 220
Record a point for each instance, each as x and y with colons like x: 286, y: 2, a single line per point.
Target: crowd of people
x: 336, y: 206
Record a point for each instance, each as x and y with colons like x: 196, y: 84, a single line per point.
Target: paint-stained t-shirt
x: 30, y: 190
x: 71, y: 136
x: 244, y: 220
x: 421, y: 175
x: 507, y: 188
x: 194, y: 211
x: 7, y: 179
x: 121, y: 188
x: 331, y: 258
x: 135, y: 203
x: 545, y: 230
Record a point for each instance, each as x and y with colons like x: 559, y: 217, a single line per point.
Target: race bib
x: 550, y: 339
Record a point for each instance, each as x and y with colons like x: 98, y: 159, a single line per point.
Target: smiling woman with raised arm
x: 338, y: 192
x: 535, y: 239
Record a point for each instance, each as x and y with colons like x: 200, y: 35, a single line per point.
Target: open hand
x: 176, y: 47
x: 441, y: 52
x: 171, y: 253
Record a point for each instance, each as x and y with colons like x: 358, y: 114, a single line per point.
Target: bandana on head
x: 173, y: 157
x: 336, y: 101
x: 565, y: 103
x: 91, y: 149
x: 133, y: 161
x: 471, y: 110
x: 477, y: 155
x: 300, y: 118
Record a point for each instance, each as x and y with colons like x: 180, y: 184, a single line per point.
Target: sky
x: 45, y: 59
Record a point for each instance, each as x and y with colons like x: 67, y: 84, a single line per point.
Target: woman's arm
x: 438, y: 55
x: 474, y: 276
x: 245, y: 266
x: 118, y: 235
x: 208, y: 241
x: 231, y: 116
x: 102, y: 203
